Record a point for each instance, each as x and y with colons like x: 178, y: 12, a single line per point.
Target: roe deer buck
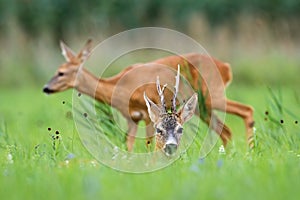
x: 169, y: 126
x: 70, y: 75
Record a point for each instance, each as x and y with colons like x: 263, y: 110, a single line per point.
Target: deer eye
x: 159, y: 131
x: 61, y: 73
x: 180, y: 130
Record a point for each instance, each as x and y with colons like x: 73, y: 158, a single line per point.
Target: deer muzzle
x: 48, y: 90
x: 170, y: 146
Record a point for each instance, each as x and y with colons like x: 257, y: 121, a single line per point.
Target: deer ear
x: 66, y: 52
x: 153, y: 110
x: 85, y: 51
x: 188, y: 109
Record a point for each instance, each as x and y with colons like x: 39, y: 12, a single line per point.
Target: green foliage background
x: 55, y: 15
x: 247, y: 34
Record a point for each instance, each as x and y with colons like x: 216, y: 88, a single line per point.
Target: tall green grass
x: 36, y: 162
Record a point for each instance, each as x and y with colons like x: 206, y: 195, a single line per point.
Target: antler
x: 161, y: 94
x: 177, y: 78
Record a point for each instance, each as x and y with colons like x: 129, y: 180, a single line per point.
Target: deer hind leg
x: 131, y: 133
x: 218, y: 126
x: 245, y: 112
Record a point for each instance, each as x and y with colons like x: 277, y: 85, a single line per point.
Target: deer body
x: 121, y: 92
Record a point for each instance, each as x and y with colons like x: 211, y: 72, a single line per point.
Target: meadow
x: 41, y: 155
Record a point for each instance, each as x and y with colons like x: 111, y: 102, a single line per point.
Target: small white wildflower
x: 254, y: 129
x: 93, y: 163
x: 222, y: 150
x: 10, y: 158
x: 114, y: 157
x: 116, y: 149
x: 115, y: 153
x: 67, y: 162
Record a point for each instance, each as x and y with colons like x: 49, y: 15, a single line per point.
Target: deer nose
x: 47, y: 90
x: 170, y: 149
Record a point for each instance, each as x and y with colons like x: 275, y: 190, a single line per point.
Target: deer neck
x: 99, y: 89
x: 103, y: 91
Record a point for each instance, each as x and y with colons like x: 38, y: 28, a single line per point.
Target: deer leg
x: 245, y: 112
x: 149, y: 135
x: 131, y: 133
x: 218, y: 126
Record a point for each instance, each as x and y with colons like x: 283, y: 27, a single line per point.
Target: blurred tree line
x: 30, y: 30
x: 56, y: 16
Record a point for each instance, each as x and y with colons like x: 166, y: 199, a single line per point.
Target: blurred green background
x: 259, y: 38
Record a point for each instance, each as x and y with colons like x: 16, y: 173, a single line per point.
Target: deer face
x: 169, y: 126
x: 65, y: 76
x: 168, y: 132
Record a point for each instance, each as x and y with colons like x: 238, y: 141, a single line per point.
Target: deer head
x: 65, y: 76
x: 169, y: 125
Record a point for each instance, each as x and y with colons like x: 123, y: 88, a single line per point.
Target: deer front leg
x: 131, y: 133
x: 149, y: 135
